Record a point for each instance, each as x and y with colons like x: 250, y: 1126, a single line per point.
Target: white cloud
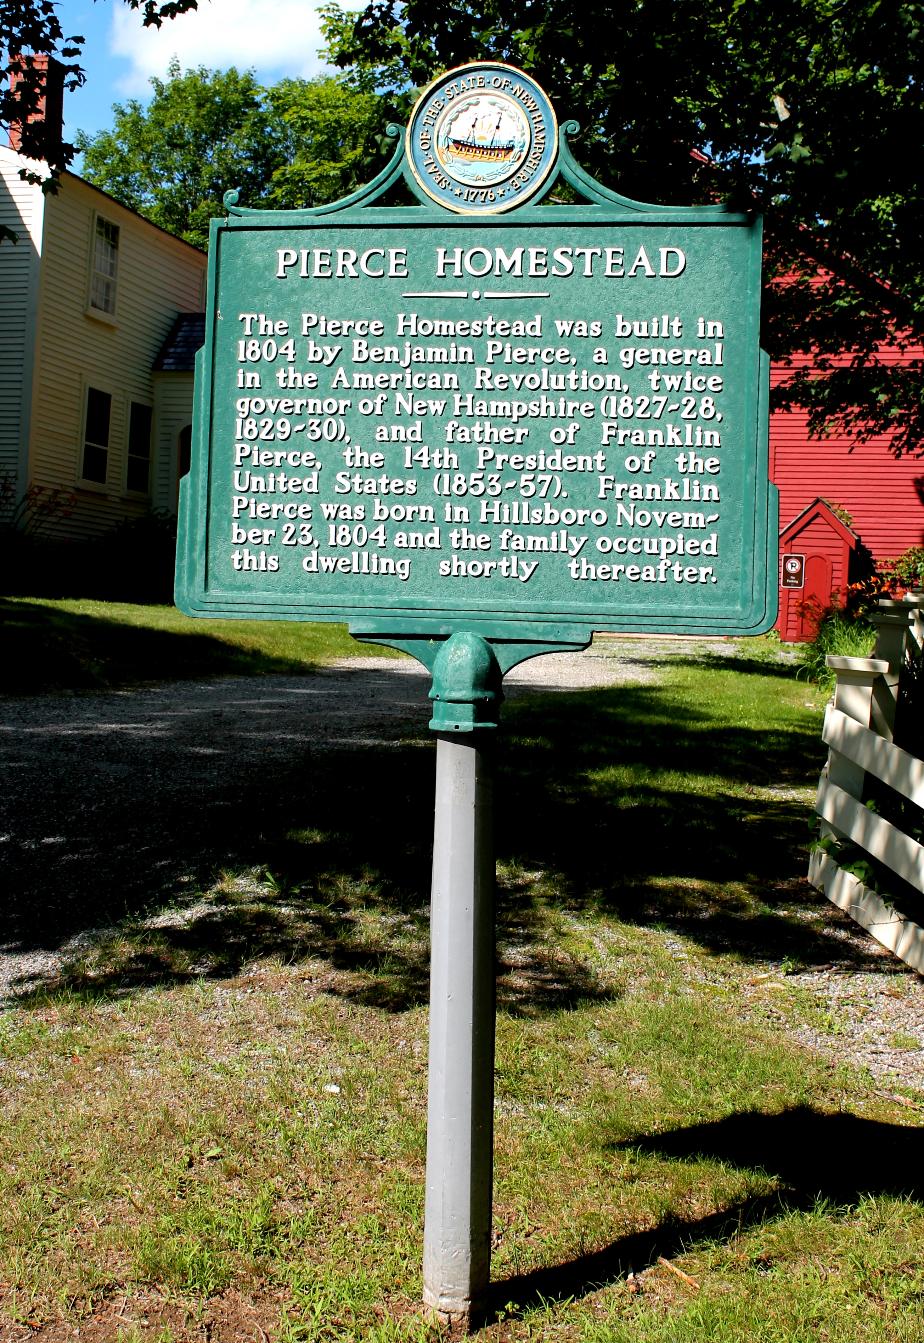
x: 274, y: 37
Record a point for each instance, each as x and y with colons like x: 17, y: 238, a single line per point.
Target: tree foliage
x: 811, y: 111
x: 335, y: 140
x: 202, y: 132
x: 298, y: 143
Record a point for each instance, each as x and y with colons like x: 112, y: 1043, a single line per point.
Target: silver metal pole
x: 460, y: 1113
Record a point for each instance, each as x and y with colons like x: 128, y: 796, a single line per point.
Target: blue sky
x: 275, y: 38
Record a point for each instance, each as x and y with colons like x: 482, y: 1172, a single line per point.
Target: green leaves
x: 333, y: 140
x: 299, y: 143
x: 837, y: 177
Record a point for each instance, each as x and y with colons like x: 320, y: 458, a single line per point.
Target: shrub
x: 840, y: 634
x: 134, y: 561
x: 907, y: 571
x: 35, y: 512
x: 891, y: 578
x: 131, y: 562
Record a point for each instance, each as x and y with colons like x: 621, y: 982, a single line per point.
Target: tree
x: 811, y: 111
x: 335, y: 140
x: 298, y: 143
x: 32, y: 27
x: 203, y: 132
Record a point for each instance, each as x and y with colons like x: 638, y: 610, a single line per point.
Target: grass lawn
x: 73, y: 644
x: 191, y: 1154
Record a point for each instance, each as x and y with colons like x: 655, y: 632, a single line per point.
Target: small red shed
x: 815, y: 551
x: 883, y: 496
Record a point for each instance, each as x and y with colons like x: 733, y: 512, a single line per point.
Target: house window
x: 138, y: 470
x: 96, y: 436
x: 105, y: 262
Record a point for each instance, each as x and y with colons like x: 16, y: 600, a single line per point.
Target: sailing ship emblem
x: 489, y: 153
x: 482, y: 138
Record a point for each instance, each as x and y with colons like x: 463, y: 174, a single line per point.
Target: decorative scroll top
x: 482, y: 140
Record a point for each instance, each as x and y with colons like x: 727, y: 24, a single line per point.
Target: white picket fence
x: 858, y: 733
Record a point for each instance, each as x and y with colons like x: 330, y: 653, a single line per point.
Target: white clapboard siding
x: 173, y: 398
x: 21, y: 210
x: 158, y: 277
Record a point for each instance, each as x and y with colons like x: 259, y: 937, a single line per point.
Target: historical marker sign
x: 481, y: 427
x: 482, y: 412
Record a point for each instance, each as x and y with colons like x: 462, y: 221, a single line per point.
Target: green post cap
x: 466, y: 685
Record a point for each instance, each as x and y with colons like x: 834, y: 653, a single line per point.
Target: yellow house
x: 97, y: 333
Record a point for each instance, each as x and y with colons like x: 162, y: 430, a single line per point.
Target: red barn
x: 871, y: 496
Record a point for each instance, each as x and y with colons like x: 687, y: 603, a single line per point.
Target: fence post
x: 893, y: 620
x: 853, y: 696
x: 915, y: 601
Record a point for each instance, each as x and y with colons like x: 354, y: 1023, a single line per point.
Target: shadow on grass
x: 46, y: 648
x: 601, y: 789
x: 816, y: 1157
x: 304, y: 826
x: 839, y: 1157
x: 745, y: 666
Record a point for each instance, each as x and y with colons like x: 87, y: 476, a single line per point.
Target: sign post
x: 480, y: 428
x: 460, y: 1085
x: 460, y: 1088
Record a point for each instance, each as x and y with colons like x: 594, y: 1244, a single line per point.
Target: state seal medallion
x: 482, y: 139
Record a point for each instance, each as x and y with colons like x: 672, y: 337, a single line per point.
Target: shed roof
x: 178, y: 352
x: 819, y: 508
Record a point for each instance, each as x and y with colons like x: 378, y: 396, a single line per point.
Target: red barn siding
x: 884, y: 496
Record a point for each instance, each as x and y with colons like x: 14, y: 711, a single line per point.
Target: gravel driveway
x: 113, y: 801
x: 109, y: 798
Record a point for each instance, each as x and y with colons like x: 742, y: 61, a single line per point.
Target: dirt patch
x: 228, y: 1318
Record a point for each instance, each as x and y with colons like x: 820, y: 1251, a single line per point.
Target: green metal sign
x: 486, y: 411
